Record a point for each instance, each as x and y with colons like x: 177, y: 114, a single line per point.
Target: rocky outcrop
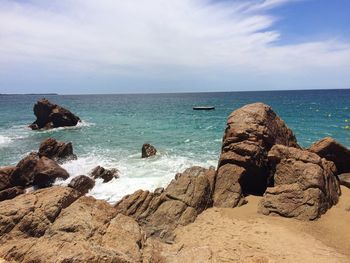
x: 179, y: 204
x: 243, y: 166
x: 333, y: 151
x: 50, y: 115
x: 56, y: 150
x: 37, y: 171
x: 5, y: 176
x: 82, y: 184
x: 55, y: 225
x: 305, y: 185
x: 11, y: 192
x: 105, y: 174
x: 344, y: 179
x: 148, y: 150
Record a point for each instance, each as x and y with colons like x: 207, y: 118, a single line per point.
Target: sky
x: 151, y: 46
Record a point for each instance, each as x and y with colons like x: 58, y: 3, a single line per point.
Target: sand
x: 243, y: 235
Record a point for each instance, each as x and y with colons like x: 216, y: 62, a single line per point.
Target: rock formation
x: 148, y: 150
x: 105, y: 174
x: 179, y: 204
x: 305, y: 185
x: 50, y: 116
x: 55, y: 225
x: 243, y: 166
x: 333, y: 151
x: 344, y: 179
x: 82, y: 183
x: 56, y: 150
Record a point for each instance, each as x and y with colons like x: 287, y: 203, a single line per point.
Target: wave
x: 4, y: 140
x: 80, y: 125
x: 135, y: 173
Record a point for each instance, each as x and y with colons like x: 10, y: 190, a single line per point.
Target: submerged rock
x: 56, y: 150
x: 55, y: 225
x: 305, y: 185
x: 159, y: 213
x: 243, y: 166
x: 50, y: 116
x: 333, y: 151
x: 148, y: 150
x: 105, y: 174
x: 82, y: 183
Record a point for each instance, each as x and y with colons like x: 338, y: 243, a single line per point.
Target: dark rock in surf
x: 105, y: 174
x: 50, y: 116
x: 56, y: 150
x: 82, y: 183
x: 148, y: 150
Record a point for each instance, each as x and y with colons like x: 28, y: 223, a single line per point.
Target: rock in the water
x: 82, y: 183
x: 179, y: 204
x: 41, y: 172
x: 331, y: 150
x: 243, y: 167
x: 11, y: 192
x: 105, y: 174
x: 55, y: 225
x: 148, y: 150
x: 344, y: 179
x: 50, y: 115
x: 305, y: 185
x: 56, y: 150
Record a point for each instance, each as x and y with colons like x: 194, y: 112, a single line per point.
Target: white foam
x: 135, y: 173
x: 80, y: 125
x: 4, y: 140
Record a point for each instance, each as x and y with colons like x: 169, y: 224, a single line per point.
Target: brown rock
x: 105, y: 174
x: 11, y: 192
x: 332, y: 150
x: 5, y: 176
x: 243, y: 166
x: 41, y: 172
x: 148, y: 150
x: 305, y: 185
x: 56, y: 150
x: 50, y: 115
x: 82, y: 183
x: 52, y: 225
x: 344, y: 179
x: 179, y: 204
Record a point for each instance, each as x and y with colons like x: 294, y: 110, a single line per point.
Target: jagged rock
x: 11, y: 192
x: 33, y: 170
x: 331, y: 150
x: 344, y: 179
x: 82, y: 183
x: 305, y: 185
x: 55, y: 225
x: 148, y: 150
x: 179, y: 204
x: 105, y: 174
x: 50, y: 115
x: 56, y: 150
x: 243, y: 166
x: 5, y: 176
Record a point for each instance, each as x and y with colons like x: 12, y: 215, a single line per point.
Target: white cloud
x: 115, y: 36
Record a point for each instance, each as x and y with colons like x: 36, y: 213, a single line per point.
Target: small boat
x: 204, y: 108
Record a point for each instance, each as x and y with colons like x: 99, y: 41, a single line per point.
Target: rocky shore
x: 267, y: 201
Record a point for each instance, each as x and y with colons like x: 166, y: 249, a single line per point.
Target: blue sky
x: 118, y: 46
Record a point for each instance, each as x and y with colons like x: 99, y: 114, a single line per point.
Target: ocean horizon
x: 115, y: 126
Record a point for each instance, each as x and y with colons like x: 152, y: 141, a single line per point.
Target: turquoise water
x: 114, y: 128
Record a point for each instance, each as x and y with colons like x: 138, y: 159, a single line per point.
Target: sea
x: 114, y: 128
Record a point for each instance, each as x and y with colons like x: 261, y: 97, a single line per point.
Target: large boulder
x: 50, y: 115
x: 333, y: 151
x: 55, y: 225
x: 56, y: 150
x: 243, y: 166
x: 305, y: 185
x: 179, y: 204
x: 105, y: 174
x: 5, y: 176
x: 148, y: 150
x: 82, y: 183
x: 41, y: 172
